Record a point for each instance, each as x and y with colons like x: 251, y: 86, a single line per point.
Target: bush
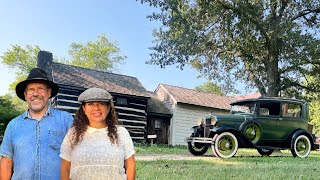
x: 7, y: 113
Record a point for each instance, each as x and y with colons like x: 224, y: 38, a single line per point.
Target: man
x: 31, y: 144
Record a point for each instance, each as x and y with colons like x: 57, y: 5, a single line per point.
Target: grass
x: 247, y: 164
x: 160, y: 149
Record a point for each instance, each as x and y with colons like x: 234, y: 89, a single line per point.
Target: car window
x: 247, y: 108
x: 263, y: 111
x: 291, y: 110
x: 268, y: 108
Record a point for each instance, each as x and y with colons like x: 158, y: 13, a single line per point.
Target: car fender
x: 246, y: 123
x: 221, y: 129
x: 243, y: 141
x: 298, y: 132
x: 197, y: 131
x: 194, y: 128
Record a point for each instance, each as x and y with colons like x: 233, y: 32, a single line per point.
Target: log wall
x: 132, y: 116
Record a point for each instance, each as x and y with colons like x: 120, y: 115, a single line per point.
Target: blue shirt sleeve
x: 6, y: 148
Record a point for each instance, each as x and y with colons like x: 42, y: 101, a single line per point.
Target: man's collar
x: 48, y: 113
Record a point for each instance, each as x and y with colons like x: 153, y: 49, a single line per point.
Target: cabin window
x: 122, y: 101
x: 157, y: 124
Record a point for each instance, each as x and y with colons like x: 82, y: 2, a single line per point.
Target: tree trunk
x: 273, y: 77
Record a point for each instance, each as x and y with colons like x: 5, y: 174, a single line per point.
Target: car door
x: 291, y: 118
x: 269, y: 117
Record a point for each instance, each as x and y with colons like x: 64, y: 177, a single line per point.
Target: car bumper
x: 198, y: 140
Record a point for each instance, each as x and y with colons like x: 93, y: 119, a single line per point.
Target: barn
x: 187, y: 106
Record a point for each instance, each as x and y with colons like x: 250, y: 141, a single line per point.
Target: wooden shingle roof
x: 194, y: 97
x: 87, y: 78
x: 157, y: 106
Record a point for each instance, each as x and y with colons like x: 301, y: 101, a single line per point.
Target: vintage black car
x: 265, y: 123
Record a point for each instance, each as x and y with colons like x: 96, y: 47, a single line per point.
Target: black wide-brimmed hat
x: 36, y: 75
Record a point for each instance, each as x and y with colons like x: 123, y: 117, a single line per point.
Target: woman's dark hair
x: 81, y: 122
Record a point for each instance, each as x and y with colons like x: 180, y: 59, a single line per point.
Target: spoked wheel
x: 197, y: 149
x: 265, y: 152
x: 225, y: 145
x: 300, y: 146
x: 252, y: 132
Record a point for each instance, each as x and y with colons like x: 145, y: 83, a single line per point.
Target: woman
x: 95, y: 147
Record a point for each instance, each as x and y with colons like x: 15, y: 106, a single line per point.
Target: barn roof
x: 194, y: 97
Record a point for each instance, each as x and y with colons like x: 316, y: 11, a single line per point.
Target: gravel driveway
x: 153, y: 157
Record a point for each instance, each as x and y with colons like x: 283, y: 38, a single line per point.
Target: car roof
x: 280, y: 99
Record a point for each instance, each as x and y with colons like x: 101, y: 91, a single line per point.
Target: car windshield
x: 247, y: 108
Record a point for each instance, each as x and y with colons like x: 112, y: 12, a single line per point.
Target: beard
x: 38, y: 104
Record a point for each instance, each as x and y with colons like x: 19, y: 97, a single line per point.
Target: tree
x: 210, y: 87
x: 272, y: 45
x: 314, y: 115
x: 100, y: 55
x: 314, y: 105
x: 8, y: 111
x: 22, y: 59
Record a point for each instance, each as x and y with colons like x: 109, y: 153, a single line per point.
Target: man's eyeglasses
x: 30, y: 91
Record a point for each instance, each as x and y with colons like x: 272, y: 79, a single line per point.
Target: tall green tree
x: 101, y: 54
x: 270, y: 44
x: 210, y: 87
x: 22, y: 60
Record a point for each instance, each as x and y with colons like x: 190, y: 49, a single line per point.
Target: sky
x: 54, y: 25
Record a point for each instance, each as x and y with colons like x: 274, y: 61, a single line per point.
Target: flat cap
x: 95, y: 94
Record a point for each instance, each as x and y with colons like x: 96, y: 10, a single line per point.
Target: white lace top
x: 95, y: 157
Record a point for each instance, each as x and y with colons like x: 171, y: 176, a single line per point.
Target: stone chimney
x: 45, y: 62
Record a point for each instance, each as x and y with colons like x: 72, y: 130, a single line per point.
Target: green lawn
x: 160, y: 149
x: 246, y: 165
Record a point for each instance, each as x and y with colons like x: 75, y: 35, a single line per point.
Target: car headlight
x: 213, y: 120
x: 200, y: 122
